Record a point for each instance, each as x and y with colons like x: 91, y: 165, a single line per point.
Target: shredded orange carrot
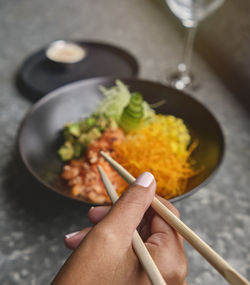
x: 162, y: 149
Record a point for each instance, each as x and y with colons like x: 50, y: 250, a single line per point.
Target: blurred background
x: 33, y: 220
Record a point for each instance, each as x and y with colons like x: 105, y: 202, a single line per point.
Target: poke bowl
x: 42, y: 136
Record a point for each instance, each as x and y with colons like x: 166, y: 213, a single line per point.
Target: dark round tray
x: 37, y: 76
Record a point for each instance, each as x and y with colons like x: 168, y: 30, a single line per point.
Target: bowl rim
x: 55, y: 93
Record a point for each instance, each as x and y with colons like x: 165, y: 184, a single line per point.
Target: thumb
x: 128, y: 211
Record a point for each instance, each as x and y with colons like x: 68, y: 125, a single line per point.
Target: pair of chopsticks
x: 231, y: 275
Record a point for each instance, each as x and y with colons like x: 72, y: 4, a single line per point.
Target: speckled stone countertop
x: 33, y: 220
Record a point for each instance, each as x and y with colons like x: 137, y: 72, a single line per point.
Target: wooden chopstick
x: 230, y: 274
x: 138, y: 245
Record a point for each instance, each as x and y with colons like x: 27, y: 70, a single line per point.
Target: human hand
x: 103, y: 254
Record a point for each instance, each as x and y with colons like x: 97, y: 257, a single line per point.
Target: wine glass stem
x: 188, y: 50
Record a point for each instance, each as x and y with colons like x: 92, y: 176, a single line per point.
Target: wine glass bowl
x: 191, y: 12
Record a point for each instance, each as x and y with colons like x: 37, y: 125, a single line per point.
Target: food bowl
x: 40, y: 131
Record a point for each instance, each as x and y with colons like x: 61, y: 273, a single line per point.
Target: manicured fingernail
x: 71, y: 235
x: 145, y: 179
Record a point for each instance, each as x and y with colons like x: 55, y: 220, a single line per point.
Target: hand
x: 103, y: 254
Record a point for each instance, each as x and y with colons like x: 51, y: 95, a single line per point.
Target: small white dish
x: 65, y: 52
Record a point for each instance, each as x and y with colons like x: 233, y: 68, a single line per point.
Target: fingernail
x: 145, y: 179
x: 71, y: 235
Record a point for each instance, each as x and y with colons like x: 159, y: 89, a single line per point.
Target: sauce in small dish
x: 65, y: 52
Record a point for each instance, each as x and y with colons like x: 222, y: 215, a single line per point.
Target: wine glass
x: 190, y: 12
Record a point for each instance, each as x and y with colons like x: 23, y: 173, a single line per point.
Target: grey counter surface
x: 33, y: 220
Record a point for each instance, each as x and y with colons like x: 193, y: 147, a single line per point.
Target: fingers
x: 166, y: 247
x: 170, y: 206
x: 128, y: 211
x: 133, y: 204
x: 96, y: 214
x: 72, y: 240
x: 160, y: 230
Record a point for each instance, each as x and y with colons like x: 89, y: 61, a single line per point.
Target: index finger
x: 159, y: 226
x: 169, y: 205
x: 166, y: 246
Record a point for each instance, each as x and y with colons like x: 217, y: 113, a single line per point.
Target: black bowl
x: 39, y: 134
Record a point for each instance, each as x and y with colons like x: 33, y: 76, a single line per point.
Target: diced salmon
x: 83, y: 176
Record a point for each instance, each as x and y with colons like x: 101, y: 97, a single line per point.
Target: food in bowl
x: 129, y: 129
